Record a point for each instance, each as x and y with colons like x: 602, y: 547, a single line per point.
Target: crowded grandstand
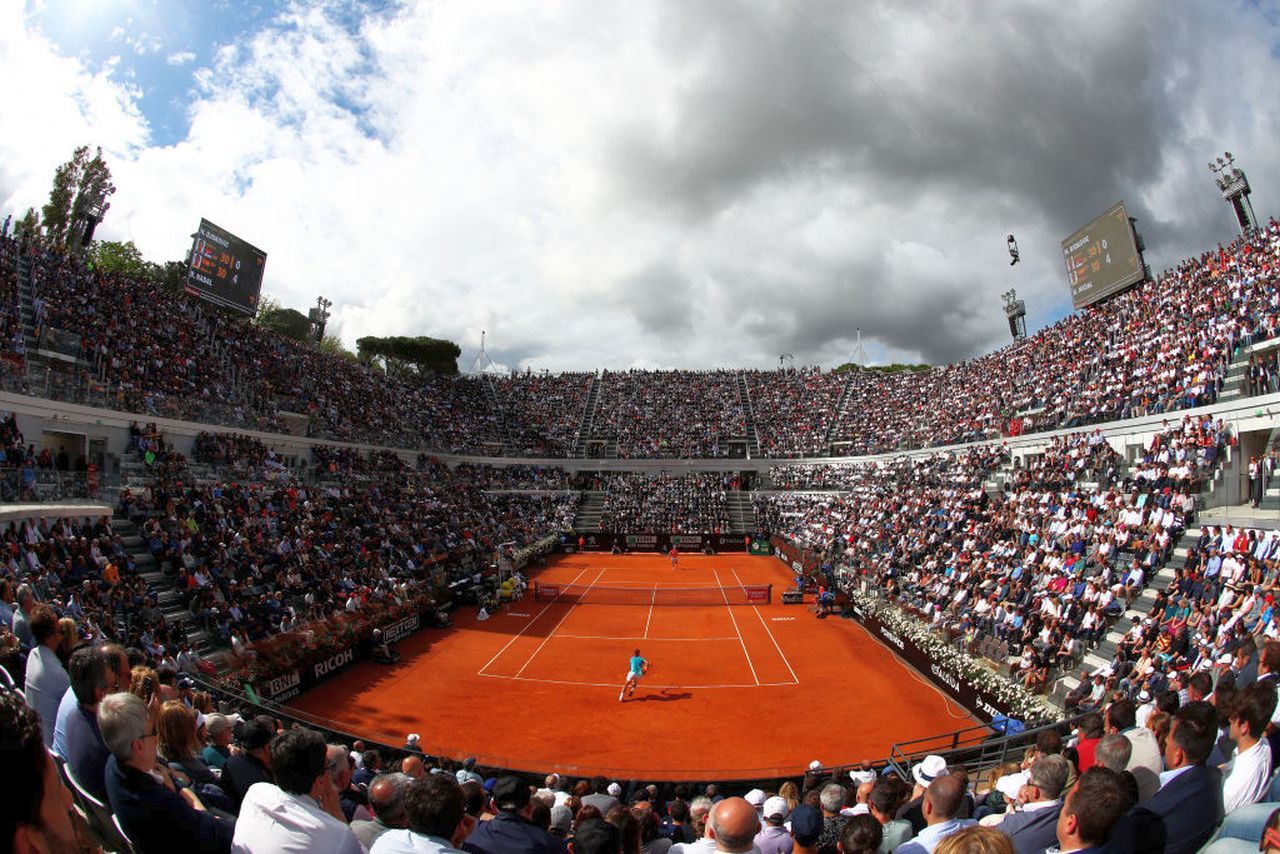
x: 1069, y: 537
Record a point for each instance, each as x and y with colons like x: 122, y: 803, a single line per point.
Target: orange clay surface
x: 734, y: 691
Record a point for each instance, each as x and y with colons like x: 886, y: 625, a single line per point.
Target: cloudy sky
x: 676, y: 183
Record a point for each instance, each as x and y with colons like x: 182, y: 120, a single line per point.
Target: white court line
x: 771, y: 637
x: 621, y: 638
x: 653, y: 598
x: 646, y: 684
x: 482, y: 670
x: 735, y: 628
x: 551, y: 633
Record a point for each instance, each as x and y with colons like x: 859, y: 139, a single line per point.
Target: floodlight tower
x: 1016, y: 310
x: 1235, y: 189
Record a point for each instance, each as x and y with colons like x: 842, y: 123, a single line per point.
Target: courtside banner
x: 691, y: 543
x: 984, y: 704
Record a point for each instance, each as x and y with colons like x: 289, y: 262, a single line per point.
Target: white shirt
x: 1248, y: 776
x: 408, y: 842
x: 272, y: 821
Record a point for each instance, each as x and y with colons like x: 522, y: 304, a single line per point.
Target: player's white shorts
x: 633, y: 677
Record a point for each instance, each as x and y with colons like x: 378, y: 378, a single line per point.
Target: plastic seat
x: 102, y: 822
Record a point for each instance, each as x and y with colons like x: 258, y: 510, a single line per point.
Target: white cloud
x: 182, y: 57
x: 601, y: 184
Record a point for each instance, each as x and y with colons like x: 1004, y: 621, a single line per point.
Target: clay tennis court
x: 735, y: 690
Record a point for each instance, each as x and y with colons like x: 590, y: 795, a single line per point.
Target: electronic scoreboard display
x: 224, y: 269
x: 1102, y: 258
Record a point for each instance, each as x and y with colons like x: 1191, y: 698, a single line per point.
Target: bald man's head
x: 412, y: 765
x: 734, y: 823
x: 386, y: 797
x: 942, y: 799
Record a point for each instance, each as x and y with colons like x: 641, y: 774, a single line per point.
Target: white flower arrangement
x: 1015, y: 701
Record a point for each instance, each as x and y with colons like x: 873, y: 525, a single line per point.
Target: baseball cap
x: 413, y: 738
x: 510, y: 793
x: 775, y: 808
x: 755, y: 797
x: 815, y: 765
x: 806, y: 824
x: 614, y: 790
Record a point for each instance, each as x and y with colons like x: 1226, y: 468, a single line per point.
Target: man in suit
x: 1035, y: 826
x: 1090, y: 811
x: 1182, y: 816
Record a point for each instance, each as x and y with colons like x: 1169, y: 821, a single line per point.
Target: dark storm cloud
x: 975, y: 116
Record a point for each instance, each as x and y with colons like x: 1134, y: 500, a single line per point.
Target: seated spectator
x: 510, y: 831
x: 181, y: 749
x: 1091, y: 811
x: 218, y: 732
x: 773, y: 837
x: 436, y: 817
x: 388, y: 800
x: 862, y: 835
x: 300, y: 810
x: 1247, y: 777
x: 1034, y: 827
x: 1184, y: 813
x: 79, y: 741
x: 253, y: 763
x: 942, y: 800
x: 47, y: 680
x: 154, y: 815
x: 36, y: 810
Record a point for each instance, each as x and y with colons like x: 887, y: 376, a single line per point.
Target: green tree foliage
x: 289, y: 322
x: 78, y: 184
x: 333, y: 345
x: 410, y: 356
x: 122, y: 258
x: 28, y: 225
x: 895, y: 368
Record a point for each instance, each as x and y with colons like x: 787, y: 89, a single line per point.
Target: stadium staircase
x: 587, y: 423
x: 1140, y: 608
x: 589, y: 512
x: 491, y: 394
x: 742, y: 512
x: 833, y: 429
x: 753, y: 438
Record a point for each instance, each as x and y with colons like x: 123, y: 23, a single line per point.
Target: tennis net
x: 595, y: 594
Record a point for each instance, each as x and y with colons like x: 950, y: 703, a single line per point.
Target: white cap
x: 614, y: 790
x: 815, y: 765
x: 775, y: 806
x: 932, y: 767
x: 755, y: 797
x: 413, y: 738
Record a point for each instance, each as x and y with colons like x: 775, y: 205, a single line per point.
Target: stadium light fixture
x: 1234, y: 186
x: 1013, y: 251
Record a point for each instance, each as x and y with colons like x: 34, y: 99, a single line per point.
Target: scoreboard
x: 1102, y: 258
x: 224, y: 269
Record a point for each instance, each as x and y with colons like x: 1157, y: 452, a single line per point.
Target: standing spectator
x: 154, y: 816
x: 299, y: 812
x: 47, y: 681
